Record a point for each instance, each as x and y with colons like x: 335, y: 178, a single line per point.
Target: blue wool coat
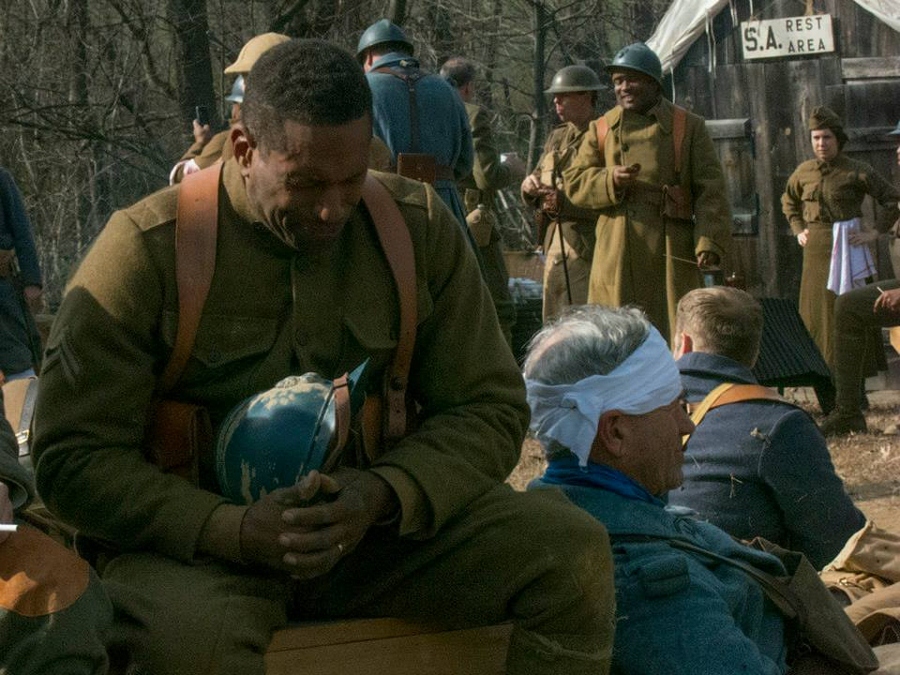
x: 677, y: 612
x: 762, y: 468
x: 443, y: 123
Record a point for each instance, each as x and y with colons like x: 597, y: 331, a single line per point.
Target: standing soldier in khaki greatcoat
x: 568, y: 255
x: 651, y: 169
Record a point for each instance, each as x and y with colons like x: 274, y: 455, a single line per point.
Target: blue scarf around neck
x: 565, y: 471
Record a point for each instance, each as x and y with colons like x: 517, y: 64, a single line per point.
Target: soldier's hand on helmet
x: 264, y: 524
x: 623, y: 176
x: 323, y: 533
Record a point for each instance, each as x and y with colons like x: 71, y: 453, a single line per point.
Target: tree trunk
x: 195, y: 80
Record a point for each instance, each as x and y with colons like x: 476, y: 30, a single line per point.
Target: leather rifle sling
x: 679, y: 122
x: 196, y: 229
x: 393, y: 235
x: 730, y: 392
x: 602, y: 131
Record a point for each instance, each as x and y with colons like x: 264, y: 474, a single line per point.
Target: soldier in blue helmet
x: 417, y: 114
x: 651, y: 171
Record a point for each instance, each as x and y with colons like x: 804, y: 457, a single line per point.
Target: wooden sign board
x: 787, y: 37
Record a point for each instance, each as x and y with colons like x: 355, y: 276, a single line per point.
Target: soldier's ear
x: 684, y: 344
x: 608, y: 443
x: 243, y: 146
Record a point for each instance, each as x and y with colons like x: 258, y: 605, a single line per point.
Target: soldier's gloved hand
x: 264, y: 527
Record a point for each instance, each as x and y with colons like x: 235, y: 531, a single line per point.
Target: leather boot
x: 842, y: 421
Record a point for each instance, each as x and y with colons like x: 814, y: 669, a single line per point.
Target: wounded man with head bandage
x: 606, y: 402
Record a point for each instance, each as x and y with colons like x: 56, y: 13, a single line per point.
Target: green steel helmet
x: 639, y: 57
x: 574, y: 78
x: 274, y: 438
x: 237, y: 90
x: 380, y: 32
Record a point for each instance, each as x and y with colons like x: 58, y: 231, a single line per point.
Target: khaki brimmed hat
x: 250, y: 52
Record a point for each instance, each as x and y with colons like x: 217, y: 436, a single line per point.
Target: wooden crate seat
x: 382, y: 646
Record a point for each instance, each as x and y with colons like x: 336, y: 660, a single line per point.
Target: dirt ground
x: 868, y: 463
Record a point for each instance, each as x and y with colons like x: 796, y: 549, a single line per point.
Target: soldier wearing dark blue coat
x: 416, y: 112
x: 755, y: 468
x: 19, y: 340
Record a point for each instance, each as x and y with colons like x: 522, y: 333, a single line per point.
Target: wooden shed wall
x: 758, y: 111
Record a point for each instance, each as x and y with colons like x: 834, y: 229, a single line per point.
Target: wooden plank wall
x: 861, y: 81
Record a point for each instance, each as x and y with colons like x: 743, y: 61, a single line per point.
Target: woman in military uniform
x: 820, y: 192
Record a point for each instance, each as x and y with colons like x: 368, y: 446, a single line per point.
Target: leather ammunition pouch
x: 422, y: 167
x: 677, y: 203
x: 177, y: 435
x: 481, y: 223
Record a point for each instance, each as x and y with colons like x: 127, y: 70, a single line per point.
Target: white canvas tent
x: 686, y: 20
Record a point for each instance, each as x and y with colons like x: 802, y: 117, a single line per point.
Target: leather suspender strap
x: 196, y: 228
x: 410, y: 79
x: 396, y: 243
x: 195, y: 258
x: 679, y: 122
x: 602, y: 132
x: 730, y: 392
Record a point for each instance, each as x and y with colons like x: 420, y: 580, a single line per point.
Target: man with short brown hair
x: 757, y: 466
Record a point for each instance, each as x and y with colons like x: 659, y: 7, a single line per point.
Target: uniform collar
x: 702, y: 372
x: 662, y: 111
x: 395, y: 59
x: 233, y: 182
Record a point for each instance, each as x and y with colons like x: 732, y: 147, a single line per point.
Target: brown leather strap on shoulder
x: 730, y: 392
x: 602, y: 132
x: 746, y: 392
x: 196, y: 228
x: 398, y: 249
x: 679, y: 122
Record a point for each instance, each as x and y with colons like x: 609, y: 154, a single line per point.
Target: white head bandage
x: 569, y: 413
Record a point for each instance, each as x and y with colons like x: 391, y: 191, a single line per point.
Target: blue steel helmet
x: 380, y: 32
x: 274, y: 438
x: 237, y: 90
x: 639, y: 57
